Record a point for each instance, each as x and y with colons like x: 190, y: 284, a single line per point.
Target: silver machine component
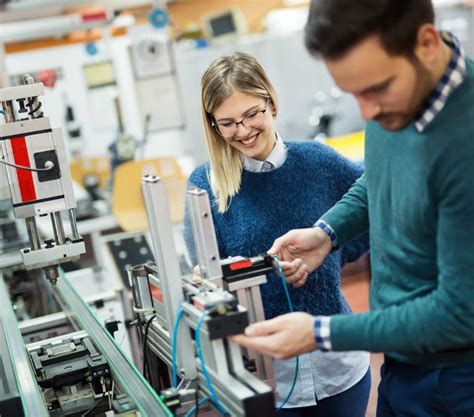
x: 67, y: 363
x: 204, y: 235
x: 38, y: 177
x: 241, y: 277
x: 208, y: 309
x: 82, y: 372
x: 124, y: 373
x: 167, y: 281
x: 138, y: 281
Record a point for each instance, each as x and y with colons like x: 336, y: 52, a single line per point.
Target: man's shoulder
x: 458, y: 113
x: 470, y: 65
x: 465, y: 91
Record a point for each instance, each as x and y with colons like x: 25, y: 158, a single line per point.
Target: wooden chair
x: 127, y: 200
x: 98, y: 166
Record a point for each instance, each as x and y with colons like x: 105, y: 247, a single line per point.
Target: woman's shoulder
x: 200, y: 176
x: 312, y: 150
x: 322, y: 159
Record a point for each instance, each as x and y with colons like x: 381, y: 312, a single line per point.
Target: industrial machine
x: 34, y: 162
x: 81, y: 370
x: 68, y: 363
x: 184, y: 327
x: 172, y: 308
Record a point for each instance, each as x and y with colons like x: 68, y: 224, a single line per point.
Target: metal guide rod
x: 32, y: 398
x: 207, y: 252
x: 158, y: 215
x: 33, y: 235
x: 72, y: 220
x: 58, y: 229
x: 8, y: 111
x: 131, y: 380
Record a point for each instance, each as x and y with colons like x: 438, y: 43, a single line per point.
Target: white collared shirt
x: 275, y: 160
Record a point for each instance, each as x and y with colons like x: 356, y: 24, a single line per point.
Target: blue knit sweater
x: 312, y: 179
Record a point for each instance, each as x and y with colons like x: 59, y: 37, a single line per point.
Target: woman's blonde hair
x: 237, y: 72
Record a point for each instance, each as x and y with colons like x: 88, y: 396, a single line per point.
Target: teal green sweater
x: 417, y: 195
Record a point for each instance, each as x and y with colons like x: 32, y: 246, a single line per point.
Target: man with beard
x: 415, y: 88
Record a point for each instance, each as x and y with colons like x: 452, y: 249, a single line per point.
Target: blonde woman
x: 261, y: 187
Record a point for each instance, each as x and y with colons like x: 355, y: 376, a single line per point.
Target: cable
x: 285, y: 287
x: 95, y: 405
x: 145, y: 338
x: 196, y: 408
x: 49, y: 165
x: 196, y: 398
x: 174, y: 343
x: 290, y: 307
x: 215, y: 400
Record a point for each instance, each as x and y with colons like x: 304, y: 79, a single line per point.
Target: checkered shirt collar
x: 451, y: 79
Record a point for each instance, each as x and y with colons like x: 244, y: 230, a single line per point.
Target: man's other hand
x: 282, y: 337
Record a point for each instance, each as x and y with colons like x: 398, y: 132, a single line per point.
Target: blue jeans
x: 409, y: 390
x: 349, y: 403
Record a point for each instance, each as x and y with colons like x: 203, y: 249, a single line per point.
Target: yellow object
x: 351, y: 146
x: 99, y: 74
x: 98, y: 166
x: 127, y: 199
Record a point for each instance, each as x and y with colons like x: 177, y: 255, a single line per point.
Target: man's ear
x: 428, y: 45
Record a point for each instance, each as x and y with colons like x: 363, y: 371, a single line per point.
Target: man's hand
x: 282, y: 337
x: 301, y: 251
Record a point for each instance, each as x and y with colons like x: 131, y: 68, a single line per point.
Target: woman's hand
x: 301, y: 251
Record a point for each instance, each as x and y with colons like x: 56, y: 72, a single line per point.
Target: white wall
x: 71, y: 59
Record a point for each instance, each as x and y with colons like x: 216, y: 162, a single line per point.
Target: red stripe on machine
x: 156, y: 293
x: 247, y: 263
x: 93, y: 16
x: 25, y: 178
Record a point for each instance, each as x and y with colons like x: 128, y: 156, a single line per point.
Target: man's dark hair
x: 335, y: 26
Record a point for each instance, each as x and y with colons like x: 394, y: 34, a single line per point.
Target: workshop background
x: 122, y: 80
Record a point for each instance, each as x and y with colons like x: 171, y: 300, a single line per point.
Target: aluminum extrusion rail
x: 31, y: 396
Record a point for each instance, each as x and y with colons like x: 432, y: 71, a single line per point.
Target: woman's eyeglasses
x: 253, y: 120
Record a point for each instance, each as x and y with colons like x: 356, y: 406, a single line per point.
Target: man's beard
x: 423, y: 88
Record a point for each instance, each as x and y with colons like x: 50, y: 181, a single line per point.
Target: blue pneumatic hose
x: 174, y: 343
x: 215, y: 400
x: 290, y: 306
